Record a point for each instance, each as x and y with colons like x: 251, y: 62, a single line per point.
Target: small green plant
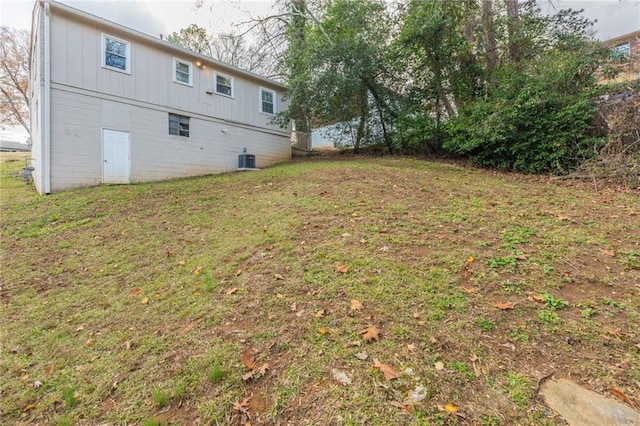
x: 610, y: 302
x: 481, y: 243
x: 160, y: 398
x: 216, y: 373
x: 554, y: 302
x: 151, y: 422
x: 519, y: 334
x: 208, y: 281
x: 519, y: 390
x: 461, y: 368
x: 501, y: 261
x: 549, y: 316
x: 69, y: 397
x: 179, y: 390
x: 484, y: 324
x: 587, y: 313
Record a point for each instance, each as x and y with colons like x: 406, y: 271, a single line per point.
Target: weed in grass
x: 484, y: 324
x: 510, y: 287
x: 69, y: 396
x: 553, y: 302
x: 160, y: 398
x: 549, y: 316
x: 481, y: 243
x: 151, y: 422
x: 587, y: 313
x: 610, y: 302
x: 501, y: 262
x: 461, y: 368
x: 519, y: 334
x: 215, y: 373
x: 519, y: 390
x: 632, y: 259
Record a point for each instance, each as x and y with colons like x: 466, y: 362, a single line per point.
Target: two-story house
x: 113, y: 105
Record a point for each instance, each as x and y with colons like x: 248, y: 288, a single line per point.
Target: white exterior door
x: 115, y: 156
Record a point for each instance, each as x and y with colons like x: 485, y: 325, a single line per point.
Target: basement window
x: 178, y: 125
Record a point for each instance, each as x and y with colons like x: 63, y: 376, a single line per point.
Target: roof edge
x: 154, y: 40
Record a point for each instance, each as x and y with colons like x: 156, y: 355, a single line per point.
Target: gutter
x: 46, y: 167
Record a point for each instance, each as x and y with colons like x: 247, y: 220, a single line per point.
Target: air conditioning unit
x: 246, y: 161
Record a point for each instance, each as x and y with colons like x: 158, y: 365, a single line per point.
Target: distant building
x: 113, y: 105
x: 627, y: 46
x: 10, y: 146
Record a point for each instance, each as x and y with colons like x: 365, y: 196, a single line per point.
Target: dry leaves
x: 135, y: 292
x: 342, y: 268
x: 406, y: 407
x: 370, y: 333
x: 144, y: 300
x: 504, y: 306
x: 450, y: 408
x: 609, y: 253
x: 48, y: 370
x: 231, y: 291
x: 620, y: 395
x: 247, y: 359
x: 319, y: 314
x: 323, y: 330
x: 356, y: 305
x: 387, y: 371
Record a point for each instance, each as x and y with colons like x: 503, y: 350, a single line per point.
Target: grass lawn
x: 268, y: 297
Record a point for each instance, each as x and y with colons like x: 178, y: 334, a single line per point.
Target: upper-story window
x: 622, y: 50
x: 267, y: 101
x: 182, y: 72
x: 224, y: 84
x: 116, y: 54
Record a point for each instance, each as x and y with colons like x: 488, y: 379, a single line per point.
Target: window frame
x: 177, y: 61
x: 127, y: 57
x: 215, y: 84
x: 180, y: 130
x: 621, y: 50
x: 260, y: 101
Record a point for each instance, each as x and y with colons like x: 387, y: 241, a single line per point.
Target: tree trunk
x: 513, y: 28
x: 489, y: 33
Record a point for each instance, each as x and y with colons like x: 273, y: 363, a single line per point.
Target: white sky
x: 155, y: 17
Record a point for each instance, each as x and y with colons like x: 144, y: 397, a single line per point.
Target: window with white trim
x: 267, y: 101
x: 116, y: 54
x: 178, y: 125
x: 224, y: 85
x: 182, y: 72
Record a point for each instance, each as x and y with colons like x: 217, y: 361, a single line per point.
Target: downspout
x: 46, y: 172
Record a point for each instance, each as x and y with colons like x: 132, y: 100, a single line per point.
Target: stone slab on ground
x: 582, y: 407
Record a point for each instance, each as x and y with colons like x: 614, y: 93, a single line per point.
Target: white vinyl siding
x: 224, y: 84
x: 182, y: 72
x: 267, y: 101
x: 116, y: 54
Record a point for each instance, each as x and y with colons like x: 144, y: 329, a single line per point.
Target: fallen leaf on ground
x: 144, y: 300
x: 278, y: 276
x: 48, y: 370
x: 470, y: 259
x: 536, y: 298
x: 323, y: 330
x: 135, y: 292
x: 402, y: 406
x: 470, y: 290
x: 319, y: 314
x: 231, y: 291
x: 387, y: 371
x: 450, y: 408
x: 242, y: 405
x: 609, y: 253
x: 361, y: 355
x: 198, y: 270
x: 411, y: 347
x: 620, y: 395
x: 239, y: 271
x: 262, y: 369
x: 370, y: 333
x: 342, y: 268
x: 28, y: 407
x: 356, y: 305
x: 504, y: 306
x: 247, y: 359
x: 439, y: 365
